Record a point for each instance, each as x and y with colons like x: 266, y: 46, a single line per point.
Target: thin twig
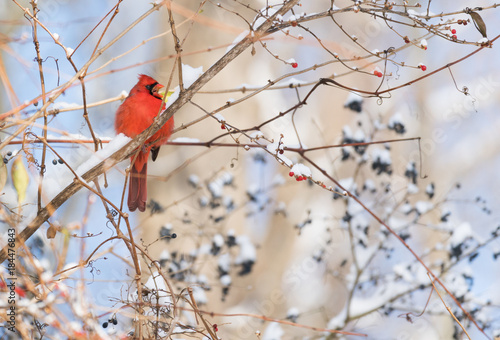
x: 448, y: 308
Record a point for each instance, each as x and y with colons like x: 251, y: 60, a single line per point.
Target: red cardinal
x: 134, y: 116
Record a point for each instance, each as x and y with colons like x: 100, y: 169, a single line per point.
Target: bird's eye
x: 151, y: 87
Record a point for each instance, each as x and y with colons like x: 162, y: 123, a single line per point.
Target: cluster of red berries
x: 462, y: 22
x: 297, y: 178
x: 454, y: 36
x: 378, y: 73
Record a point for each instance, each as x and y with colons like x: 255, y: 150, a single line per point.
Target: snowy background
x: 250, y: 237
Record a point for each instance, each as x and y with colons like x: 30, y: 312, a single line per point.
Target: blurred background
x: 291, y: 250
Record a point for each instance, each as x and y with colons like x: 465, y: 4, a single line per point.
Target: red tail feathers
x: 138, y: 189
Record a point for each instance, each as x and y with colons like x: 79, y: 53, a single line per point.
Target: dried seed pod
x: 478, y: 22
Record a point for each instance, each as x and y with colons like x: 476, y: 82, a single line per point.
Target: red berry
x: 222, y: 126
x: 407, y: 40
x: 295, y: 65
x: 291, y: 174
x: 459, y: 21
x: 281, y: 152
x: 464, y: 22
x: 454, y: 37
x: 453, y: 31
x: 423, y: 67
x: 294, y: 23
x: 20, y: 292
x: 299, y: 178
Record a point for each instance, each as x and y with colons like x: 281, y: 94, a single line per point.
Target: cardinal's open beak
x: 158, y: 91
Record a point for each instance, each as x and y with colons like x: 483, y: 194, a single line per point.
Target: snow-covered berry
x: 423, y: 44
